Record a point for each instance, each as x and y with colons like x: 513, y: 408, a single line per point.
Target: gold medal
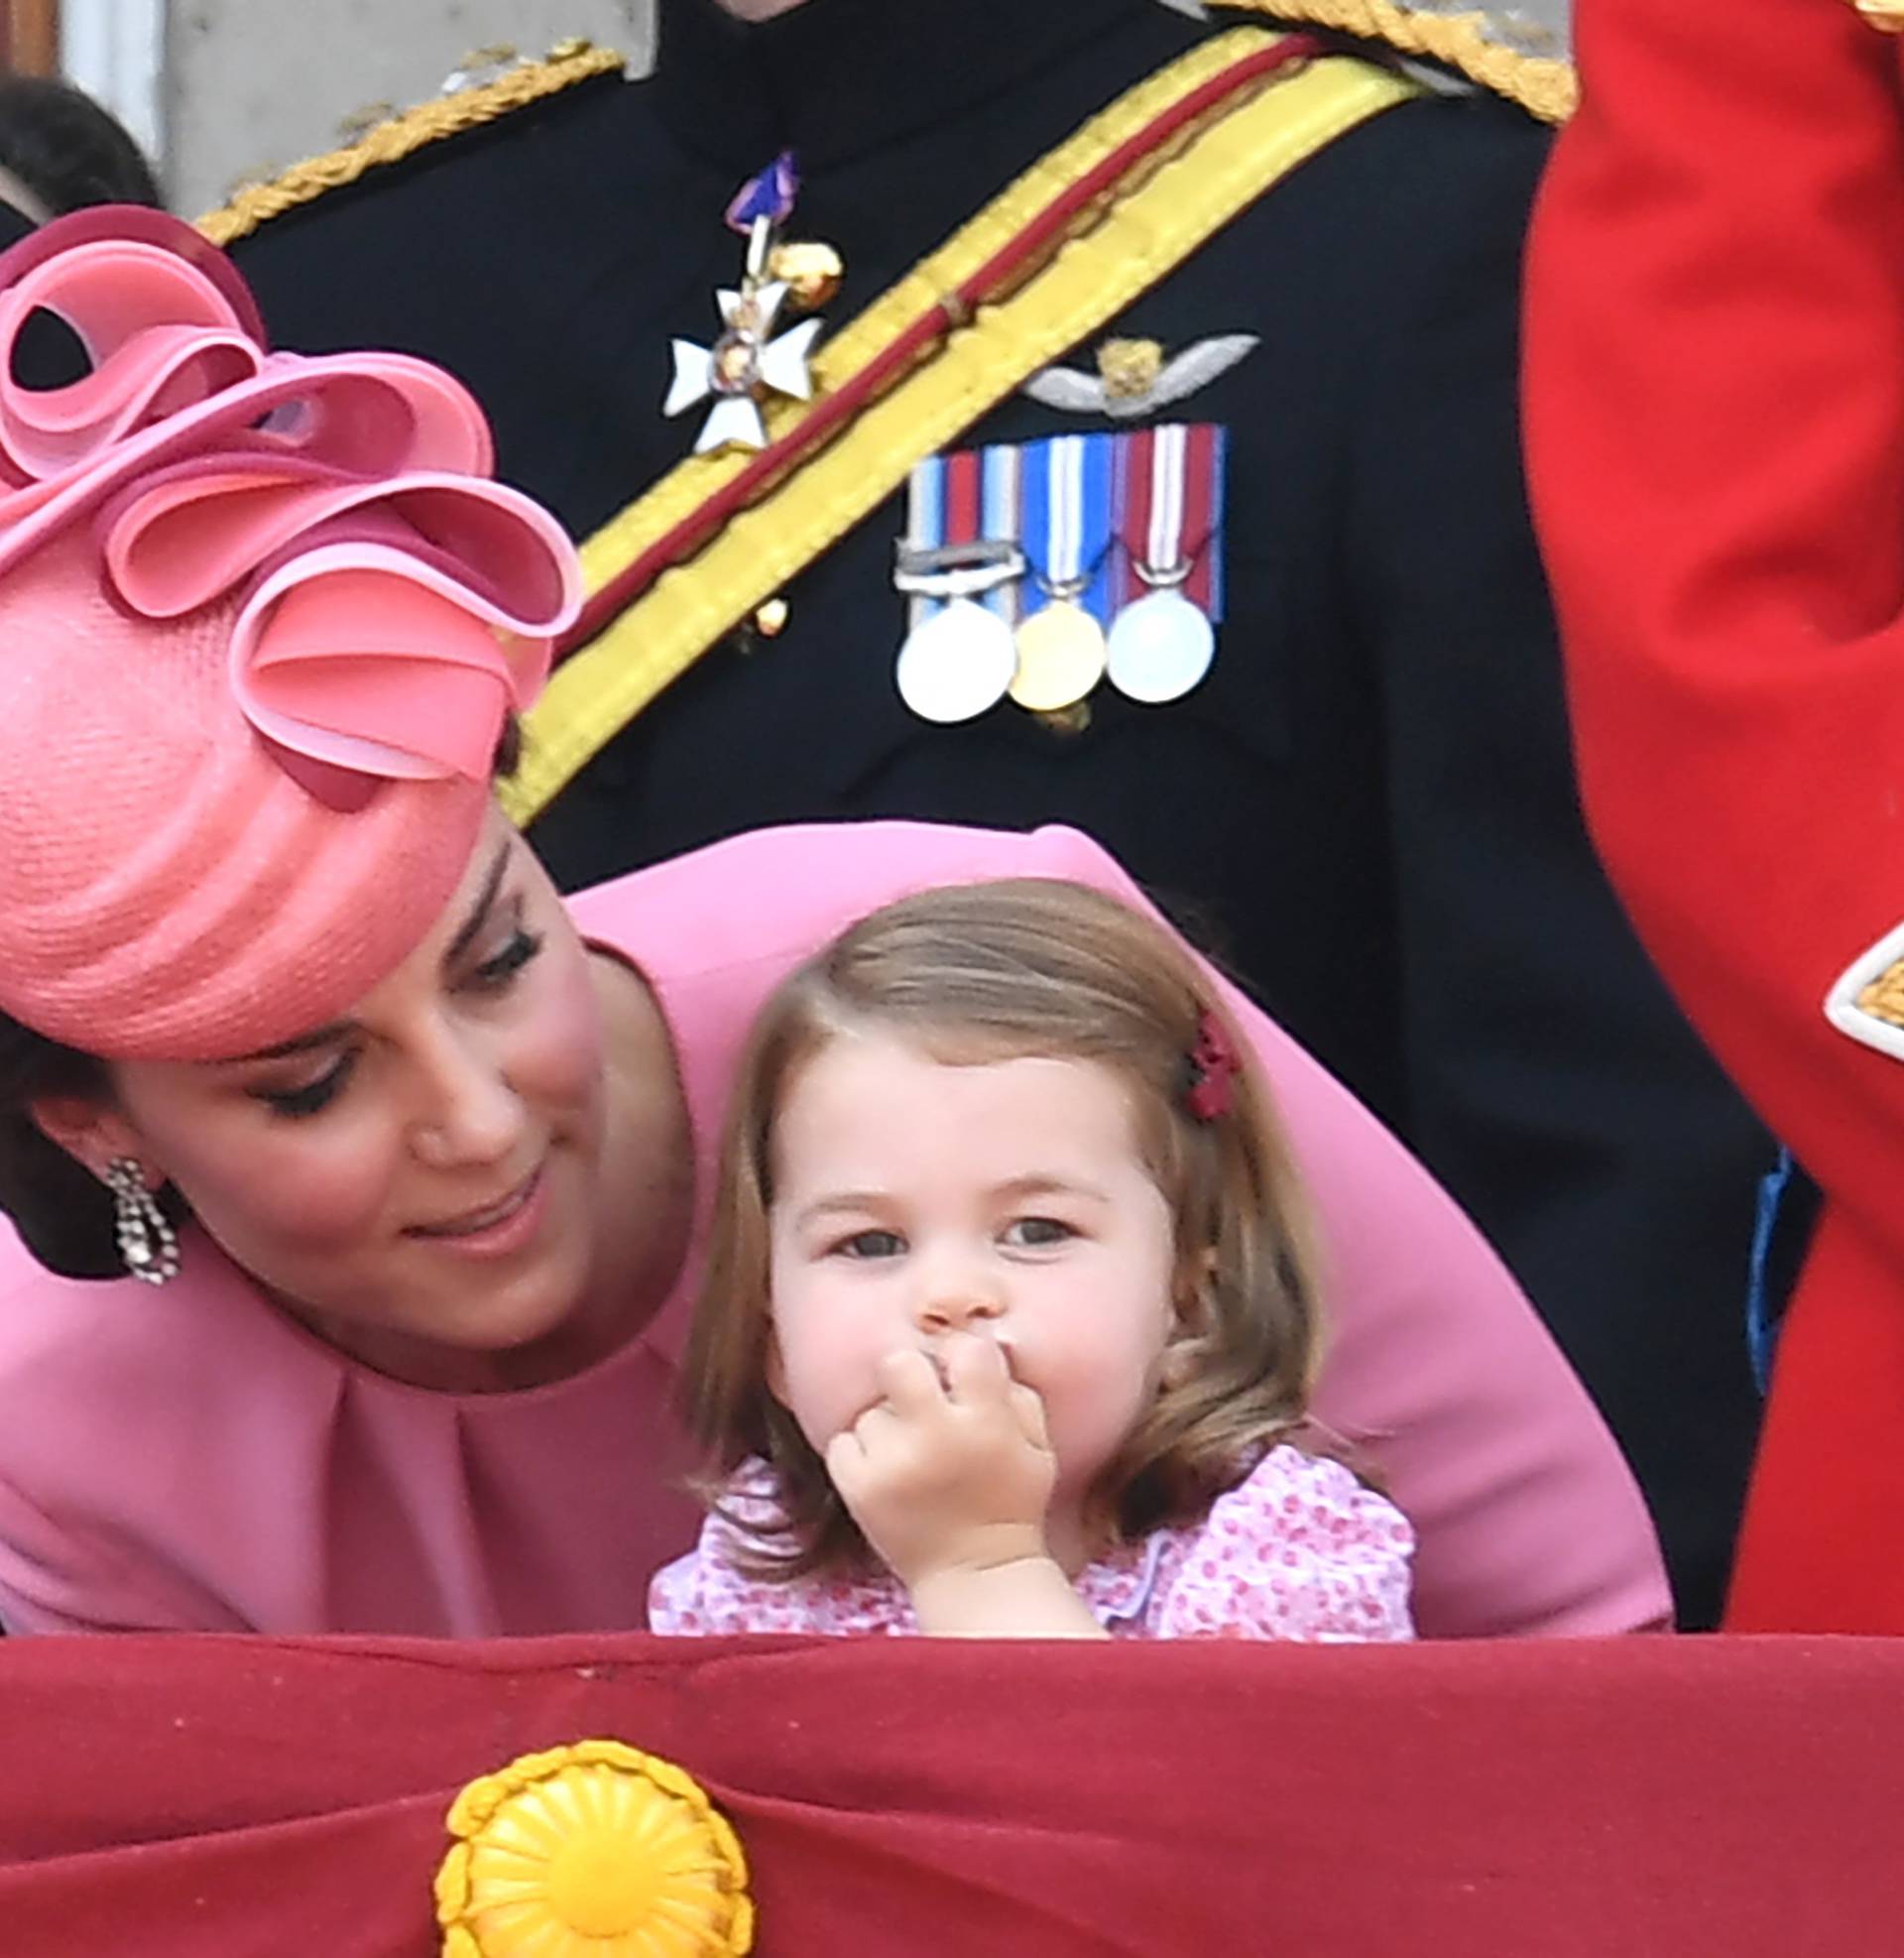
x: 1060, y: 657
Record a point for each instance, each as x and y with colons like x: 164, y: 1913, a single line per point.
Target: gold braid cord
x: 1883, y: 996
x: 1470, y: 42
x: 403, y: 136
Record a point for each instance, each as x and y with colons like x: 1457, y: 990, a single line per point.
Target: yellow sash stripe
x: 1188, y: 196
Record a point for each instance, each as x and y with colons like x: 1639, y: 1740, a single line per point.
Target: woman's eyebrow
x: 479, y: 913
x: 318, y: 1036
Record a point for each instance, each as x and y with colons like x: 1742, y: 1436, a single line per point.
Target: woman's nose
x: 470, y: 1114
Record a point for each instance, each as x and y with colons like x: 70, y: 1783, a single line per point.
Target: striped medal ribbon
x: 1067, y: 528
x: 1169, y: 572
x: 959, y: 563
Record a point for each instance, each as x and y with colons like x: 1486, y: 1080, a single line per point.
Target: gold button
x: 811, y: 271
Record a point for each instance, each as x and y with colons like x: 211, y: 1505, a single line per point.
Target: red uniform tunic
x: 1716, y: 423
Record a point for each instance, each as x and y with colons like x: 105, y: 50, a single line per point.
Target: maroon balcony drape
x: 213, y: 1797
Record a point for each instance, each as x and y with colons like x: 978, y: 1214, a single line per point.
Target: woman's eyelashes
x: 309, y: 1097
x: 495, y: 974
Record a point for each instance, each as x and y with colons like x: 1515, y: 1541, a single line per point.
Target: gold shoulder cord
x: 403, y: 136
x: 1189, y: 195
x: 1465, y: 40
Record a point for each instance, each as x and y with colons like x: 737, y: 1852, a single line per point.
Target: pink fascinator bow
x: 396, y: 606
x: 261, y: 621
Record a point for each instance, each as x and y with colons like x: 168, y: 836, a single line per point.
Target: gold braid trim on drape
x: 402, y: 135
x: 1546, y: 87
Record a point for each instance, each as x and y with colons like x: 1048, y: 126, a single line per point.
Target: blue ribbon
x: 1097, y: 521
x: 771, y: 195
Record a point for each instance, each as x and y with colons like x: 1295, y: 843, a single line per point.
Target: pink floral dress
x: 1299, y: 1551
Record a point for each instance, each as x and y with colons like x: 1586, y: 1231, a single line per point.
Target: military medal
x: 1067, y: 525
x: 749, y: 362
x: 1163, y: 641
x: 1160, y: 647
x: 956, y: 665
x: 959, y: 563
x: 1060, y: 656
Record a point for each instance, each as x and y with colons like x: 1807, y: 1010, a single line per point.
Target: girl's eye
x: 493, y: 974
x: 871, y: 1244
x: 1037, y: 1233
x: 312, y: 1096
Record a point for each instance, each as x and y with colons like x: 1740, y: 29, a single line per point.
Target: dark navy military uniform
x: 1367, y: 806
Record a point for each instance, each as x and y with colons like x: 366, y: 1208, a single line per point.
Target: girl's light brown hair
x: 986, y: 972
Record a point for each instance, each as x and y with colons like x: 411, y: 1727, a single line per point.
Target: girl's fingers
x: 910, y: 1382
x: 845, y: 1460
x: 860, y: 1457
x: 975, y: 1369
x: 875, y: 1429
x: 1027, y: 1409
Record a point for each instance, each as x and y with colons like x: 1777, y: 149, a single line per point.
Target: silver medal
x: 1161, y: 646
x: 956, y: 664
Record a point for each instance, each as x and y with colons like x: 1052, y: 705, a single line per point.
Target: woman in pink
x: 1010, y: 1322
x: 419, y: 1154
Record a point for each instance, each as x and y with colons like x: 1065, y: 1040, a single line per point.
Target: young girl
x: 1008, y: 1316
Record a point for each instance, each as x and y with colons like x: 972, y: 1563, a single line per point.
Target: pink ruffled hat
x: 261, y: 621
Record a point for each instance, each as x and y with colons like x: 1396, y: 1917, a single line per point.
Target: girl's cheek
x: 831, y: 1362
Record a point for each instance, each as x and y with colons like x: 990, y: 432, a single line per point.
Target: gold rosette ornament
x: 592, y: 1851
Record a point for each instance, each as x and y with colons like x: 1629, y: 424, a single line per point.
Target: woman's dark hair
x: 68, y: 151
x: 62, y: 1212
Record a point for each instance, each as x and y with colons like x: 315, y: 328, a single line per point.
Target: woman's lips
x: 493, y: 1228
